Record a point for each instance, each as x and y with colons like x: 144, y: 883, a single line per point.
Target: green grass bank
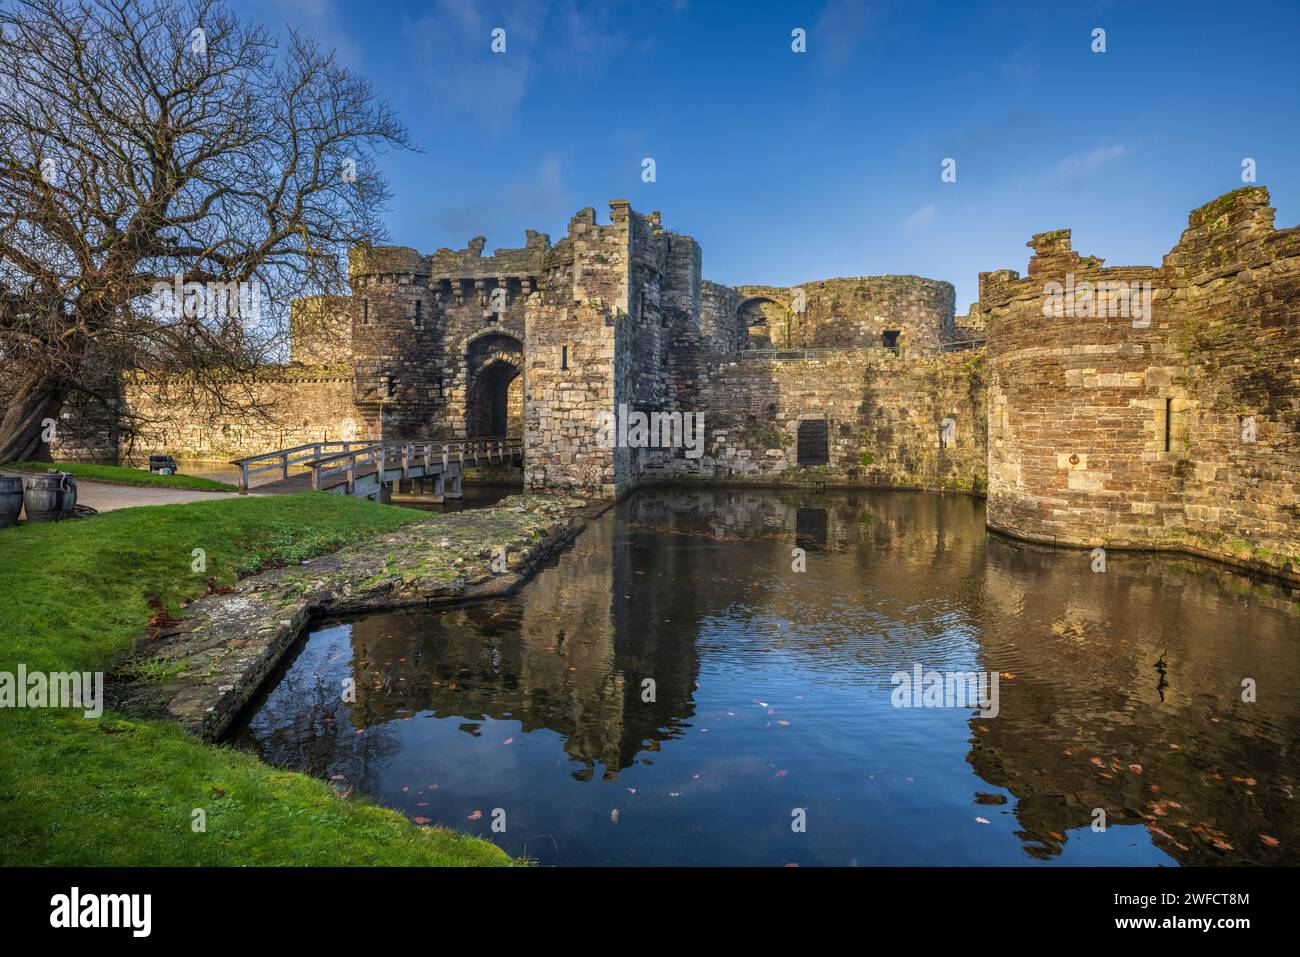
x: 118, y: 475
x: 123, y: 791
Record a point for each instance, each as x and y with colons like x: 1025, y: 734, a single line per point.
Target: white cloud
x: 920, y: 217
x: 532, y: 199
x: 844, y: 30
x: 1088, y: 161
x: 320, y: 20
x: 451, y: 48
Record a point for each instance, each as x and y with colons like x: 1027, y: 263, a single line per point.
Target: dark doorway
x: 490, y: 400
x: 494, y: 400
x: 814, y: 442
x: 889, y: 338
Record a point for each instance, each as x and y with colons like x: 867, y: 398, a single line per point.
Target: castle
x: 1177, y: 427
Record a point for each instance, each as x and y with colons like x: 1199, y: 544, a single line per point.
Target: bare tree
x: 150, y: 144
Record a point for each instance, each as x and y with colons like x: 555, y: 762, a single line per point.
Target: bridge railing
x: 425, y: 457
x: 284, y: 458
x: 345, y: 462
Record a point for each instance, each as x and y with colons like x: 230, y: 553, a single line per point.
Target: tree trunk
x: 25, y: 429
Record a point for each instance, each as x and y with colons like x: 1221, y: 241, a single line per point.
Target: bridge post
x: 439, y: 487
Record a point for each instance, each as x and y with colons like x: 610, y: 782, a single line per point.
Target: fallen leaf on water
x: 982, y: 820
x: 783, y: 723
x: 336, y: 777
x: 1099, y: 762
x: 613, y: 816
x: 1270, y: 841
x: 476, y: 815
x: 1056, y: 835
x: 631, y: 790
x: 509, y: 741
x: 674, y: 794
x: 780, y: 774
x: 422, y: 820
x: 761, y: 704
x: 1008, y: 676
x: 1135, y: 768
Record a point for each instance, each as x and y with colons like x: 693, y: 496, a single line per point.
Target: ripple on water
x: 671, y: 690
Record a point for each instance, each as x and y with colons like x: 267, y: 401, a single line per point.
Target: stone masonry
x: 1082, y: 425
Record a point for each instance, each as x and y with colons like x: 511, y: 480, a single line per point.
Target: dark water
x: 1119, y: 690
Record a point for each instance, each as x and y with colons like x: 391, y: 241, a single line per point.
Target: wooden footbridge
x: 373, y: 469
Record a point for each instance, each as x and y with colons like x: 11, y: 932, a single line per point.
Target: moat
x: 772, y: 696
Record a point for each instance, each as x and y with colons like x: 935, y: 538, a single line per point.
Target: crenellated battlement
x: 1097, y: 405
x: 1126, y: 403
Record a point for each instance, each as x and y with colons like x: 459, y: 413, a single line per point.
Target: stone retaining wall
x: 220, y: 655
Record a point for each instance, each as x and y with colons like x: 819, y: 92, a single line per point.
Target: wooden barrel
x: 50, y: 497
x: 11, y: 499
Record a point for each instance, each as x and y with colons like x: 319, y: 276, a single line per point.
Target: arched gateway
x: 494, y: 364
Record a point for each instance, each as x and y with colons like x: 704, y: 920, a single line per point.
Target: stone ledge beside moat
x: 217, y: 658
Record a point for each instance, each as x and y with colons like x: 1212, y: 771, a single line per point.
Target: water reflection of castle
x: 1128, y: 697
x: 1124, y: 687
x: 569, y: 654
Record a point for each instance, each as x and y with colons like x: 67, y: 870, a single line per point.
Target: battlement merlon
x: 528, y: 261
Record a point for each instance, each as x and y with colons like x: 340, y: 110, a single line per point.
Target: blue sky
x: 794, y: 167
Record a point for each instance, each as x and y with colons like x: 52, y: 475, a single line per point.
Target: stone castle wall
x: 573, y: 367
x: 883, y: 414
x: 1083, y: 427
x: 849, y: 313
x: 1106, y: 431
x: 300, y: 405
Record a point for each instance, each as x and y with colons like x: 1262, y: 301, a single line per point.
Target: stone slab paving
x: 218, y: 657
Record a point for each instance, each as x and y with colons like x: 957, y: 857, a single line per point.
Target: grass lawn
x: 118, y: 475
x: 122, y: 791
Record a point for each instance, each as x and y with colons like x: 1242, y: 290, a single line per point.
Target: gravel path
x: 106, y: 498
